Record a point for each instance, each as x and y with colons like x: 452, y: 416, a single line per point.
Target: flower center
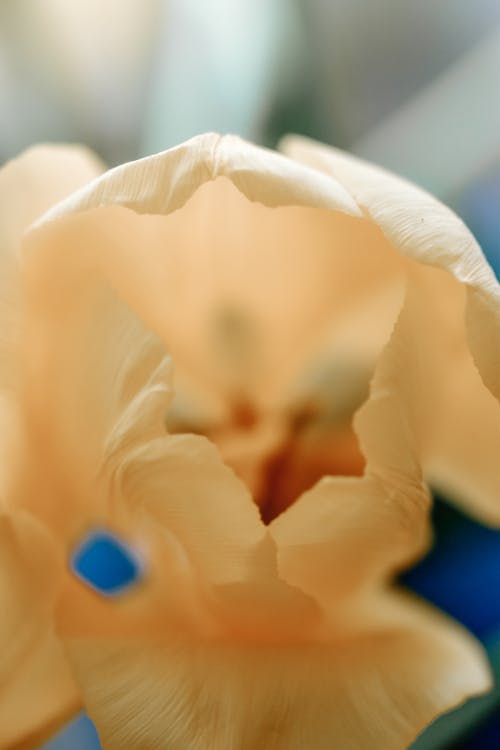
x: 280, y: 456
x: 312, y: 449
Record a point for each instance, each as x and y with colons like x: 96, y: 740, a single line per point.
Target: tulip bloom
x: 246, y: 366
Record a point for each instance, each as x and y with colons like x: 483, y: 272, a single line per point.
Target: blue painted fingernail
x: 106, y: 564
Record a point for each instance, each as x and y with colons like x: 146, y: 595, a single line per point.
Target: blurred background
x: 412, y: 86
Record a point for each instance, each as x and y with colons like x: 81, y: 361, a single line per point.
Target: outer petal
x: 37, y: 691
x: 462, y: 459
x: 35, y: 181
x: 36, y: 688
x: 89, y: 364
x: 181, y: 481
x: 374, y: 686
x: 416, y: 223
x: 96, y: 405
x: 162, y: 183
x: 422, y: 228
x: 29, y: 185
x: 346, y: 533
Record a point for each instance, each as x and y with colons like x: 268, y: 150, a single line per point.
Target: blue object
x: 106, y: 564
x: 486, y: 737
x: 478, y: 205
x: 80, y: 734
x: 461, y: 573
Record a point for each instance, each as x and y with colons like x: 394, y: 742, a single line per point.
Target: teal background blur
x: 412, y: 86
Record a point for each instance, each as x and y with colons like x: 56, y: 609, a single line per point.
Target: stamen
x: 106, y: 564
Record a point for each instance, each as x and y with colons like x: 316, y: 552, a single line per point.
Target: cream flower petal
x: 89, y: 367
x: 182, y: 482
x: 376, y: 685
x: 346, y: 533
x: 37, y: 692
x: 462, y: 458
x: 416, y: 223
x: 176, y: 502
x: 210, y: 257
x: 425, y: 230
x: 102, y: 434
x: 30, y: 185
x: 79, y: 395
x: 162, y: 183
x: 35, y: 181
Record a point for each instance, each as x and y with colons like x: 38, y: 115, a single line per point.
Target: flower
x: 37, y: 691
x: 314, y: 309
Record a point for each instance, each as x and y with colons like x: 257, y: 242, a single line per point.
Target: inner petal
x: 276, y: 320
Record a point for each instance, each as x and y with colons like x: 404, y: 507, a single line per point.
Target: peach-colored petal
x: 30, y: 185
x: 375, y: 686
x: 96, y: 393
x: 462, y: 458
x: 421, y: 227
x: 92, y: 426
x: 162, y: 183
x: 92, y: 375
x: 37, y: 691
x: 346, y: 533
x: 141, y: 416
x: 35, y: 181
x: 425, y: 230
x: 176, y: 597
x: 415, y: 222
x: 175, y: 493
x: 183, y: 483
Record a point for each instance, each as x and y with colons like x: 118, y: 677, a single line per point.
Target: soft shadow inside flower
x: 275, y: 318
x: 293, y: 308
x: 282, y: 456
